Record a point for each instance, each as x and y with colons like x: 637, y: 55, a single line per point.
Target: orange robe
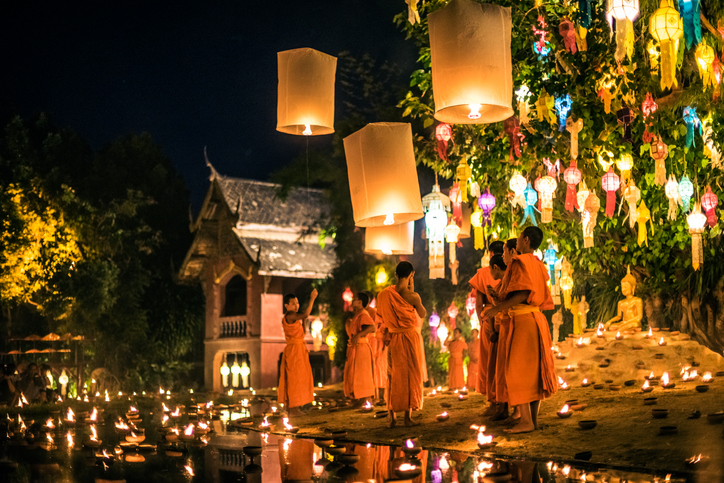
x: 296, y: 461
x: 497, y: 364
x: 456, y: 375
x: 473, y: 363
x: 529, y: 371
x: 359, y: 379
x: 405, y: 374
x: 379, y: 350
x: 296, y: 384
x: 480, y: 282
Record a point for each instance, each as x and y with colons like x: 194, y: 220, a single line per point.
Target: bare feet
x: 408, y: 420
x: 511, y: 420
x: 501, y: 412
x: 491, y: 410
x: 521, y: 427
x: 391, y: 419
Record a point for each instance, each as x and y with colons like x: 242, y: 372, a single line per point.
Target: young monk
x: 496, y: 361
x: 480, y: 282
x: 399, y: 306
x: 379, y: 352
x: 456, y: 346
x: 529, y: 371
x: 296, y: 384
x: 473, y: 359
x: 359, y: 382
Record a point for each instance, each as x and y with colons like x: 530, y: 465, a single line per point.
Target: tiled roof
x: 289, y: 258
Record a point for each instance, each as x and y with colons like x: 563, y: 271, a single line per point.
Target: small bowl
x: 587, y: 424
x: 442, y: 417
x: 565, y: 415
x: 572, y: 402
x: 694, y: 414
x: 598, y: 386
x: 348, y: 458
x: 251, y: 451
x: 715, y: 418
x: 446, y: 405
x: 462, y: 397
x: 650, y: 401
x: 488, y: 446
x: 335, y: 450
x: 719, y: 374
x: 659, y: 413
x: 604, y: 364
x: 668, y: 430
x: 381, y: 414
x: 637, y: 347
x: 570, y: 369
x: 659, y: 356
x: 600, y: 348
x: 670, y: 385
x: 560, y: 357
x: 702, y: 388
x: 324, y: 442
x: 614, y: 387
x: 630, y: 382
x: 583, y: 456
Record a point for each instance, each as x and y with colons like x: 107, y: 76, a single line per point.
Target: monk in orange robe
x: 456, y: 375
x: 473, y: 359
x: 359, y: 382
x: 529, y: 371
x: 296, y: 384
x: 496, y: 361
x: 399, y: 306
x: 379, y: 351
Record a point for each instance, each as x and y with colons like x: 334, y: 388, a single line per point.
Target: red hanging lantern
x: 709, y: 202
x: 470, y: 303
x: 512, y: 129
x: 452, y: 312
x: 443, y: 133
x: 572, y: 176
x: 347, y: 296
x: 610, y: 183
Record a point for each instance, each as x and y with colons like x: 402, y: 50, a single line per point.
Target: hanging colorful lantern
x: 625, y: 118
x: 610, y: 183
x: 390, y: 240
x: 452, y: 312
x: 544, y: 107
x: 305, y: 95
x: 470, y: 303
x: 550, y: 257
x: 581, y: 196
x: 667, y: 27
x: 705, y: 57
x: 566, y: 284
x: 436, y: 206
x: 531, y: 198
x: 443, y: 134
x: 456, y: 199
x: 589, y: 218
x: 659, y: 151
x: 463, y: 172
x: 692, y: 125
x: 465, y: 225
x: 517, y: 185
x: 541, y: 47
x: 624, y: 165
x: 643, y: 216
x: 486, y: 202
x: 672, y: 193
x: 512, y: 129
x: 625, y: 12
x: 632, y: 195
x: 696, y: 221
x: 347, y: 297
x: 451, y: 236
x: 649, y: 106
x: 709, y: 202
x: 442, y: 333
x: 434, y: 322
x: 522, y: 94
x: 547, y: 188
x: 379, y: 156
x: 574, y: 128
x: 572, y: 176
x: 476, y: 219
x: 686, y: 191
x: 563, y: 106
x: 690, y: 14
x: 568, y: 32
x: 554, y: 169
x: 471, y: 62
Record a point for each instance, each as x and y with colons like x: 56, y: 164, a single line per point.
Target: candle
x: 570, y: 368
x: 585, y: 383
x: 650, y: 334
x: 599, y: 330
x: 665, y: 381
x: 646, y: 387
x: 443, y: 416
x: 662, y: 342
x: 707, y: 377
x: 618, y: 335
x: 564, y: 412
x: 580, y: 342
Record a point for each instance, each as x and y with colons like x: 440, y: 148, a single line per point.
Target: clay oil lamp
x: 562, y: 385
x: 585, y: 382
x: 134, y: 458
x: 599, y: 331
x: 201, y: 428
x: 367, y: 408
x: 565, y: 412
x: 176, y: 414
x: 462, y: 397
x: 93, y: 418
x: 444, y: 416
x: 49, y: 443
x: 702, y: 388
x: 408, y: 471
x: 629, y: 382
x: 133, y: 413
x: 265, y: 424
x: 485, y: 441
x: 136, y: 436
x: 69, y: 417
x: 188, y: 434
x: 715, y: 418
x: 92, y: 441
x: 121, y: 427
x: 570, y: 368
x: 410, y: 449
x: 48, y: 426
x: 172, y: 436
x: 618, y: 335
x: 580, y: 343
x: 433, y: 393
x: 665, y: 383
x: 104, y: 458
x: 650, y: 334
x: 464, y: 391
x: 651, y: 377
x: 650, y: 401
x: 662, y: 342
x: 587, y: 424
x: 659, y: 413
x: 706, y: 378
x: 288, y: 427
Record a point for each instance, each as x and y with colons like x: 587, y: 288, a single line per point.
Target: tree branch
x: 709, y: 26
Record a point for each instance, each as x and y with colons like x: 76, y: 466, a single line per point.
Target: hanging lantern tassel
x: 709, y: 202
x: 672, y: 193
x: 413, y: 16
x: 632, y: 195
x: 610, y: 184
x: 443, y: 134
x: 624, y: 39
x: 691, y: 13
x: 476, y: 219
x: 568, y: 32
x: 572, y: 176
x: 667, y: 27
x: 589, y: 218
x: 696, y: 221
x: 531, y: 198
x: 693, y: 124
x: 512, y: 129
x: 659, y: 151
x: 463, y: 173
x: 644, y: 215
x: 574, y: 128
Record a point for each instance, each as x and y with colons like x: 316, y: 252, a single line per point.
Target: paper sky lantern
x: 632, y: 195
x: 705, y: 57
x: 667, y: 27
x: 589, y: 218
x: 572, y: 176
x: 546, y: 188
x: 471, y: 62
x: 443, y: 134
x: 672, y: 193
x: 382, y: 175
x: 625, y: 12
x: 436, y: 206
x: 610, y: 183
x: 531, y: 198
x: 686, y: 191
x: 709, y: 202
x: 696, y: 221
x: 517, y: 185
x: 582, y: 195
x: 391, y: 239
x: 305, y: 103
x: 659, y: 152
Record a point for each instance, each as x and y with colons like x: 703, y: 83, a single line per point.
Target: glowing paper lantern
x: 476, y: 219
x: 436, y: 206
x: 235, y: 371
x: 693, y: 124
x: 649, y: 106
x: 563, y: 106
x: 625, y: 12
x: 434, y: 320
x: 463, y: 173
x: 581, y: 196
x: 672, y: 193
x: 470, y: 303
x: 305, y: 102
x: 517, y: 185
x: 531, y: 198
x: 709, y: 202
x: 566, y: 284
x: 456, y: 200
x: 632, y: 195
x: 686, y: 191
x: 225, y: 371
x: 624, y: 164
x: 471, y: 62
x: 486, y: 202
x: 452, y: 312
x: 443, y: 134
x: 589, y: 218
x: 382, y: 175
x: 568, y: 32
x: 381, y: 276
x: 696, y: 221
x: 574, y: 127
x: 667, y: 27
x: 390, y: 240
x: 522, y: 94
x: 610, y: 183
x: 690, y: 14
x: 705, y: 56
x: 347, y: 297
x: 659, y: 152
x: 550, y: 257
x: 442, y: 333
x: 547, y: 188
x: 643, y: 216
x: 572, y: 176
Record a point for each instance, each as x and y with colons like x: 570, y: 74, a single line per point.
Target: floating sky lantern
x: 471, y: 62
x: 378, y: 156
x: 436, y: 206
x: 667, y: 28
x: 696, y: 221
x: 391, y: 239
x: 306, y: 92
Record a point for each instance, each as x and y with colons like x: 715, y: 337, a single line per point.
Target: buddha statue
x: 630, y: 309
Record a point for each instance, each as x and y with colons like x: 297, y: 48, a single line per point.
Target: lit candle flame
x: 665, y: 379
x: 368, y: 405
x: 161, y: 391
x: 443, y: 414
x: 646, y: 385
x: 70, y: 417
x: 599, y: 332
x: 706, y: 377
x: 407, y: 467
x: 565, y: 409
x: 287, y: 426
x: 176, y: 413
x: 585, y: 381
x: 662, y: 341
x: 203, y: 425
x: 484, y: 439
x: 474, y: 111
x: 94, y: 415
x: 133, y: 409
x: 121, y: 425
x: 50, y: 424
x: 410, y: 444
x: 164, y: 420
x: 189, y: 430
x: 307, y: 130
x: 165, y: 409
x: 94, y: 435
x: 618, y: 334
x: 49, y: 438
x: 189, y: 470
x: 651, y: 332
x: 580, y: 341
x: 265, y: 423
x: 566, y: 470
x: 69, y: 437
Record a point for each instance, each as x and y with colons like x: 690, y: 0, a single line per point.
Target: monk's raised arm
x: 416, y: 302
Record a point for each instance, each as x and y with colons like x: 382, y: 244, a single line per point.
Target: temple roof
x: 291, y: 258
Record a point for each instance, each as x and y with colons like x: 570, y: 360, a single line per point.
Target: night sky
x: 193, y: 74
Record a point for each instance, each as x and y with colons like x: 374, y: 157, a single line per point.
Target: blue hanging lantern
x: 563, y: 106
x: 584, y: 13
x: 531, y: 198
x: 686, y: 191
x: 690, y: 11
x: 693, y: 123
x: 550, y: 256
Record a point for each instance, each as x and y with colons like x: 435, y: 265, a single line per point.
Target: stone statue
x: 583, y: 309
x: 630, y: 310
x: 557, y: 320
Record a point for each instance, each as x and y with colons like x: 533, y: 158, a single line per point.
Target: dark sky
x: 193, y: 74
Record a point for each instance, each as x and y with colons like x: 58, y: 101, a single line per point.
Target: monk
x: 529, y: 371
x: 456, y: 346
x: 359, y: 381
x: 296, y: 384
x: 480, y: 282
x: 399, y: 306
x: 496, y: 361
x: 379, y: 352
x: 473, y: 359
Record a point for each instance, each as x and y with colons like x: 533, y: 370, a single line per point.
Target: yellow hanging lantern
x: 705, y: 56
x: 667, y: 28
x: 476, y: 219
x: 547, y: 187
x: 696, y: 221
x: 644, y: 216
x: 380, y: 157
x: 305, y: 104
x: 625, y: 12
x: 624, y: 164
x: 471, y: 62
x: 566, y: 282
x: 632, y: 195
x: 390, y: 240
x: 464, y: 172
x: 589, y: 218
x: 672, y: 193
x: 582, y: 195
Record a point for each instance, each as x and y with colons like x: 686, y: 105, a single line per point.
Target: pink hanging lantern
x: 709, y: 202
x: 470, y: 303
x: 572, y: 176
x: 443, y: 133
x: 452, y: 312
x: 486, y: 202
x: 434, y: 322
x: 347, y: 296
x: 610, y: 183
x: 457, y: 204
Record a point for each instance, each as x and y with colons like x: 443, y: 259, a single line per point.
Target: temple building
x: 250, y: 248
